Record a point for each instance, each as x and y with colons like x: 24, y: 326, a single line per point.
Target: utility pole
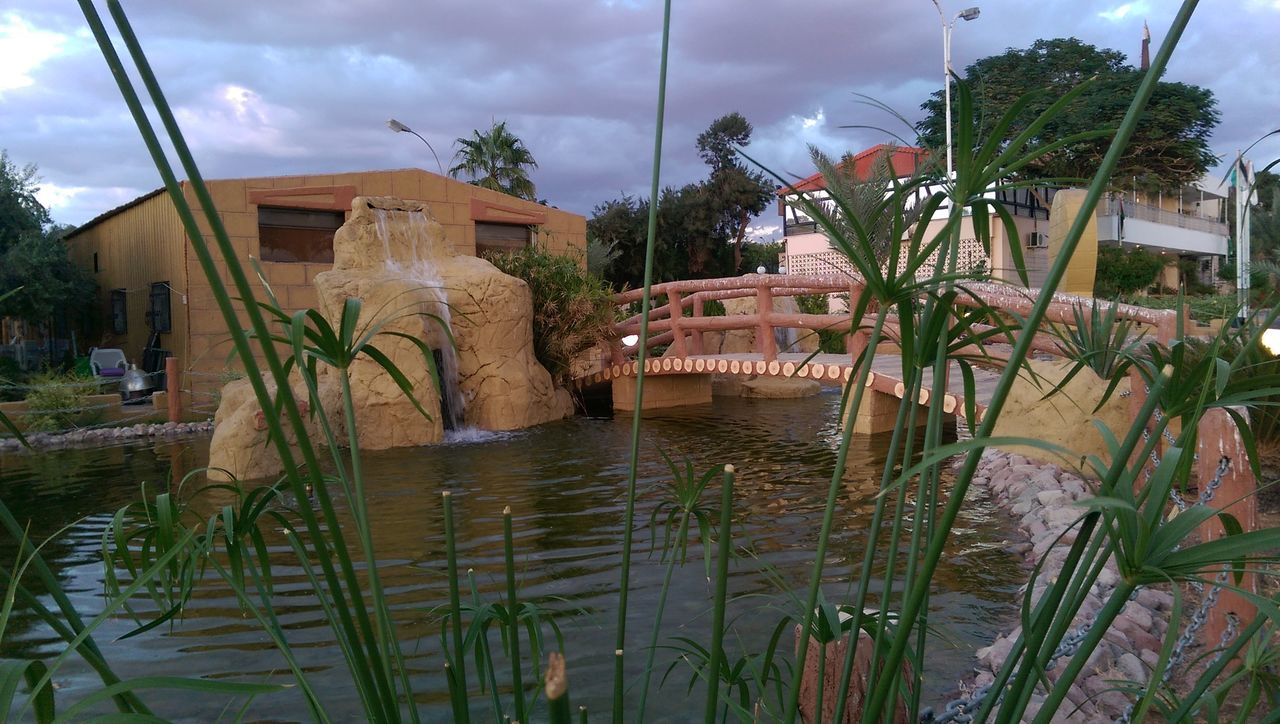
x: 1242, y: 181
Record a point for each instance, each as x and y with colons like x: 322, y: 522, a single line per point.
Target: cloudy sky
x: 268, y: 87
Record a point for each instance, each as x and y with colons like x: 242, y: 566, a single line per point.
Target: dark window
x: 501, y: 237
x: 119, y: 312
x: 297, y: 235
x: 95, y: 262
x: 158, y: 309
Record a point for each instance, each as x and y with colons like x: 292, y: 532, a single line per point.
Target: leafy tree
x: 1169, y: 148
x: 37, y: 279
x: 756, y: 254
x: 21, y: 213
x: 496, y: 159
x: 736, y: 191
x: 701, y: 226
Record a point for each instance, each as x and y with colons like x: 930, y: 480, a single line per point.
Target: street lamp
x: 399, y: 127
x: 967, y: 14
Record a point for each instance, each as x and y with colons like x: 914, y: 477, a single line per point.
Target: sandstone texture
x: 393, y: 256
x: 1065, y: 418
x: 735, y: 341
x: 764, y: 387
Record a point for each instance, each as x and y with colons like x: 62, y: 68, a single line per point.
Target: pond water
x: 564, y: 482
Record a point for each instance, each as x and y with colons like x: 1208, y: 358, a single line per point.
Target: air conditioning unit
x: 1037, y: 240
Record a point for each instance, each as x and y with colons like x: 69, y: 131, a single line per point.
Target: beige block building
x: 156, y: 299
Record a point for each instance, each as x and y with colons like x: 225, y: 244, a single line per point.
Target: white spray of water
x: 422, y: 269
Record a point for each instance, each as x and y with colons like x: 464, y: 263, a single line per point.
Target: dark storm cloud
x: 267, y: 87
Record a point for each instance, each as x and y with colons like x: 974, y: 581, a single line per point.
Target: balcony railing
x: 1155, y: 214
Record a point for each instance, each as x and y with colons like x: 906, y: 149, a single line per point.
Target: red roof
x: 905, y: 160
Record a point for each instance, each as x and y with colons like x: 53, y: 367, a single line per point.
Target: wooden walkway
x: 886, y: 373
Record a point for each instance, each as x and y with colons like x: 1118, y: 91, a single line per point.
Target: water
x: 421, y: 268
x: 564, y: 482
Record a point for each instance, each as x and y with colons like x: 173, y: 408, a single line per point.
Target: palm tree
x: 496, y: 159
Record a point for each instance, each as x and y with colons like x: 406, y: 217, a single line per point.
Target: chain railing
x: 958, y: 710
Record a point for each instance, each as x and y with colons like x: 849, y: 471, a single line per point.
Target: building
x: 1186, y: 225
x: 156, y: 300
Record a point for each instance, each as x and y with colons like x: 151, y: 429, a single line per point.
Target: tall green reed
x: 918, y: 303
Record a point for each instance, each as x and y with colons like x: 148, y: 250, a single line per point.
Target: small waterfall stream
x: 421, y: 268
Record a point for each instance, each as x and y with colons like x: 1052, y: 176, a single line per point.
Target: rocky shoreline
x: 1042, y: 497
x: 107, y: 435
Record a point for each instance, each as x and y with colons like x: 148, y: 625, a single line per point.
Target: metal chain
x: 1201, y: 616
x: 957, y: 710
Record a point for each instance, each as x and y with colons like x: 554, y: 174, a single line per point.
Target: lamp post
x: 399, y: 127
x: 967, y: 14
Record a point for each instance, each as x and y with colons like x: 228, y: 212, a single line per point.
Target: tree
x: 21, y: 213
x: 497, y: 160
x: 701, y: 226
x: 738, y: 192
x: 1170, y: 146
x: 38, y: 282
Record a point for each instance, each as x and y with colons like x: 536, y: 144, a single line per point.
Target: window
x: 95, y: 263
x: 158, y: 308
x: 119, y: 312
x: 297, y: 235
x: 501, y: 237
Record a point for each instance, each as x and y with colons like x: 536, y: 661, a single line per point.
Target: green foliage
x: 496, y: 159
x: 756, y: 254
x: 164, y: 543
x: 859, y: 201
x: 1170, y: 145
x: 1124, y: 271
x: 701, y: 226
x: 12, y: 378
x: 600, y: 256
x: 59, y: 402
x: 830, y: 341
x: 37, y: 279
x: 1203, y: 309
x: 572, y: 309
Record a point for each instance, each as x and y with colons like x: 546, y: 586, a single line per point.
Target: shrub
x: 1124, y: 271
x: 57, y: 402
x: 11, y: 379
x: 830, y: 341
x: 572, y: 309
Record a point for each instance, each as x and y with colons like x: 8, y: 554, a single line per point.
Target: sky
x: 275, y: 87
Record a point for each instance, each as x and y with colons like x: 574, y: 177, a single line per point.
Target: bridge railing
x: 1218, y: 436
x: 684, y: 334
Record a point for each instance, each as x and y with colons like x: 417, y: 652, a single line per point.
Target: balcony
x: 1161, y: 229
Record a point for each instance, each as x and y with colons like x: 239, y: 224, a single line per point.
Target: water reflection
x: 564, y: 483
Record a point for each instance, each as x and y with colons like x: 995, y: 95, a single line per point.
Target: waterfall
x: 785, y: 338
x: 421, y: 268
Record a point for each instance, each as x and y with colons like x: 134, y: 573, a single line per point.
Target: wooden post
x: 695, y: 337
x: 764, y: 330
x: 1219, y: 438
x: 173, y: 388
x: 677, y: 315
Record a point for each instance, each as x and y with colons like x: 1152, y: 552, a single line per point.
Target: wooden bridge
x: 681, y: 374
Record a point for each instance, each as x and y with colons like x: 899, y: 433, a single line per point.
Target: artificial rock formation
x: 394, y: 257
x: 1066, y: 418
x: 744, y: 340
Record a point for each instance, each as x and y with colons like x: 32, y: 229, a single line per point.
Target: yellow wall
x: 139, y: 246
x: 1083, y: 267
x: 145, y: 243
